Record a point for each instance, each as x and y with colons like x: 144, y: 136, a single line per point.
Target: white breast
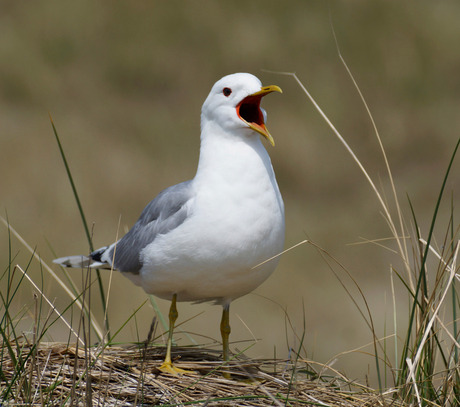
x: 236, y: 222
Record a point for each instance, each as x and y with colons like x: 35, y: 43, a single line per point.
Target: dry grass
x: 421, y: 363
x: 58, y: 374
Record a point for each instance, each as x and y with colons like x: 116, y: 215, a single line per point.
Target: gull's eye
x: 227, y: 92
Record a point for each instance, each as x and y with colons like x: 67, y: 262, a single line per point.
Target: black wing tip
x: 97, y: 254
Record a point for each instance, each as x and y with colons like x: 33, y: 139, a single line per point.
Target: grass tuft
x: 426, y: 368
x: 36, y: 372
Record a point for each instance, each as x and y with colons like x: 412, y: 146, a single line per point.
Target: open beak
x: 249, y: 111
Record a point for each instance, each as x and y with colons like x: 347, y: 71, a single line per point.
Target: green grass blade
x: 158, y: 313
x: 403, y: 366
x: 72, y: 184
x: 85, y: 224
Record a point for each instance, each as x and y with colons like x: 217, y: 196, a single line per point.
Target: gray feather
x: 165, y: 213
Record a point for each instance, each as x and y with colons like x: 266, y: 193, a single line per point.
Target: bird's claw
x: 168, y: 367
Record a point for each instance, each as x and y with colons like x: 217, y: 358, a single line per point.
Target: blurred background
x: 124, y: 83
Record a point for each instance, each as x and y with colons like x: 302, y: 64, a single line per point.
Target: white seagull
x: 217, y: 236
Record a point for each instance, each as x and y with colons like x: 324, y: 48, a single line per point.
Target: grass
x: 127, y: 375
x: 416, y: 364
x: 85, y: 226
x: 426, y: 371
x: 90, y: 368
x: 36, y: 372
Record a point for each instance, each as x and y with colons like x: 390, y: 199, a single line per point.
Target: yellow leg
x: 225, y: 332
x: 167, y: 365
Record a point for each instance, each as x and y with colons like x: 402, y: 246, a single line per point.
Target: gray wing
x: 165, y: 213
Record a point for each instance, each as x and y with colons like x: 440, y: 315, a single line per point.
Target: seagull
x: 218, y: 236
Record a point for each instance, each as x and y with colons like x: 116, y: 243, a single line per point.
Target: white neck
x: 232, y: 158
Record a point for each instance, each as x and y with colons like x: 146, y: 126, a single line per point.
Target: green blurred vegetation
x: 124, y: 83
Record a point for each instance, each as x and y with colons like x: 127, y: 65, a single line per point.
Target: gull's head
x: 234, y: 105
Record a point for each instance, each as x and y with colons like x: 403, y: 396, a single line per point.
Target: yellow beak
x: 248, y: 111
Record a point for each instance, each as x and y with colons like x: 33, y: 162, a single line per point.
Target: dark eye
x: 227, y: 92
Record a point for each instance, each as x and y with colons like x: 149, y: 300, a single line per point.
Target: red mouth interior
x: 249, y: 110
